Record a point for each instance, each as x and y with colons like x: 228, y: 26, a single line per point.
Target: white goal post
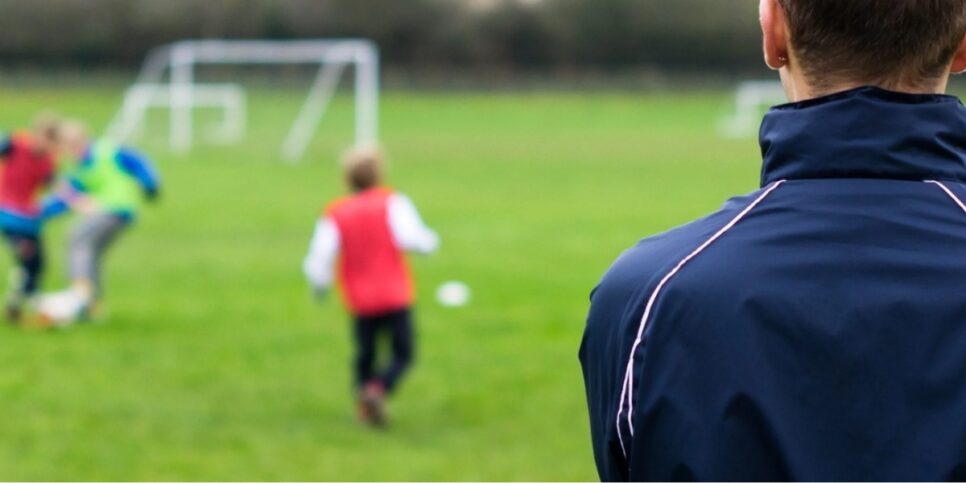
x: 751, y: 98
x: 181, y: 94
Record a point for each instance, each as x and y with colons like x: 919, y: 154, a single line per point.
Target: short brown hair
x: 48, y: 128
x: 363, y: 168
x: 74, y: 136
x: 905, y: 42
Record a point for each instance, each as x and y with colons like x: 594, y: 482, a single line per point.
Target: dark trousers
x: 398, y: 327
x: 30, y: 257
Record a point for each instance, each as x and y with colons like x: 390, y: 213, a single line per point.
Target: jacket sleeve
x: 602, y: 371
x: 139, y: 167
x: 318, y: 264
x: 60, y: 199
x: 6, y: 145
x: 407, y: 226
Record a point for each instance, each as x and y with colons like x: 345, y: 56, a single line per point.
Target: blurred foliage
x: 504, y: 34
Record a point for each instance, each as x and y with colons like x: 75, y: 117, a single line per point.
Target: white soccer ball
x: 453, y: 294
x: 61, y: 308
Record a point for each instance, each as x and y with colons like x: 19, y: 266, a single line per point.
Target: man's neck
x: 797, y: 89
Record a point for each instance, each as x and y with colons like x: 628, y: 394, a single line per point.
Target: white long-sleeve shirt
x: 407, y: 228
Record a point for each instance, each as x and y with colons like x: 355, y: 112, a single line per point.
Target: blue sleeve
x: 54, y: 206
x: 76, y: 185
x: 57, y: 203
x: 6, y: 145
x: 138, y: 166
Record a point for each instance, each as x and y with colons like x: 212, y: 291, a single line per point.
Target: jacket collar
x: 866, y: 132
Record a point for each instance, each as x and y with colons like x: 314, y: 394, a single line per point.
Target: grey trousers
x: 89, y: 239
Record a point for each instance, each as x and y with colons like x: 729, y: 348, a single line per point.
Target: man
x: 368, y: 232
x: 107, y: 186
x: 815, y: 329
x: 26, y: 169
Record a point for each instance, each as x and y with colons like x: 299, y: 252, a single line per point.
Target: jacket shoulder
x: 21, y: 139
x: 643, y: 265
x: 617, y: 304
x: 336, y: 205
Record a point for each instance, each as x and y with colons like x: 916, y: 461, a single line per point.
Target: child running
x: 368, y: 233
x: 106, y: 185
x: 28, y: 167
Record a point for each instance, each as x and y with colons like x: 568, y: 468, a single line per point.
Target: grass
x: 215, y: 364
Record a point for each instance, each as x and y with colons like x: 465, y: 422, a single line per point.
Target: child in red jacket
x: 27, y: 167
x: 366, y: 234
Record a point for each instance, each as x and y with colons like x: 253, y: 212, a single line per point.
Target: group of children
x: 361, y: 239
x: 51, y: 170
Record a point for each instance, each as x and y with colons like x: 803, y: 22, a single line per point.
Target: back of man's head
x: 891, y: 43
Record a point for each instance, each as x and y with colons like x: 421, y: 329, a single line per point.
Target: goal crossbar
x: 181, y: 92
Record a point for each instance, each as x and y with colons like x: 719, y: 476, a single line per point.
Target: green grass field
x: 215, y: 363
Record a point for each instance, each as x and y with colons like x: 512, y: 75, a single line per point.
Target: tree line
x: 509, y: 34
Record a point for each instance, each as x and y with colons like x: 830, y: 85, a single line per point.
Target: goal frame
x: 750, y: 99
x: 181, y: 93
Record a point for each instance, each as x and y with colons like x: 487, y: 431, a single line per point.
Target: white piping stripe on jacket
x: 950, y: 193
x: 628, y: 389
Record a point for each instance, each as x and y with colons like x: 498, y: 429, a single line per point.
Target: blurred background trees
x: 511, y: 36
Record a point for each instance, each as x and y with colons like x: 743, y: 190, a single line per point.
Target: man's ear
x: 959, y: 60
x: 774, y: 33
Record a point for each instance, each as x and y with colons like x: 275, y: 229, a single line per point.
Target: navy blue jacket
x: 812, y: 330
